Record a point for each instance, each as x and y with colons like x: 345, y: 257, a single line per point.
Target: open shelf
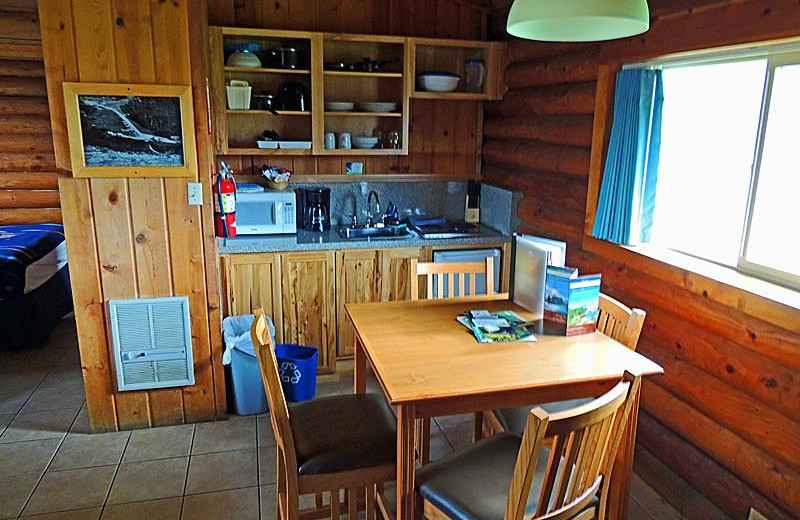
x: 259, y: 70
x: 267, y: 112
x: 361, y: 74
x: 455, y: 96
x: 362, y: 114
x: 266, y: 151
x: 372, y: 151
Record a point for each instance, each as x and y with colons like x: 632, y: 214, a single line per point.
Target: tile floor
x: 51, y: 467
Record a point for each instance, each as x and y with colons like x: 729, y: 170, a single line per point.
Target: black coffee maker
x: 294, y: 96
x: 314, y: 208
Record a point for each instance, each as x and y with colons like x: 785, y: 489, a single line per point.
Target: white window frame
x: 777, y: 55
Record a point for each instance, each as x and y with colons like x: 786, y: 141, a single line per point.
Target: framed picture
x: 122, y: 130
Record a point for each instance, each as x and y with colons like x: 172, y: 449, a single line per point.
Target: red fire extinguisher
x: 225, y: 203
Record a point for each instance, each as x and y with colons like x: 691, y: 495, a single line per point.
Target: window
x: 728, y: 186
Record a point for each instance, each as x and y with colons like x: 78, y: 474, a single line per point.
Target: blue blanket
x: 21, y: 246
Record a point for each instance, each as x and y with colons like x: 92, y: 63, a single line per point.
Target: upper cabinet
x: 288, y: 92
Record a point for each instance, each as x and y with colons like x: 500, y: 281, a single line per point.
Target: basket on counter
x: 277, y: 186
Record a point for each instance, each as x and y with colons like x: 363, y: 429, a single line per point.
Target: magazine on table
x: 504, y: 326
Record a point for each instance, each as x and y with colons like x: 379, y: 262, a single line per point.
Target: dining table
x: 428, y: 364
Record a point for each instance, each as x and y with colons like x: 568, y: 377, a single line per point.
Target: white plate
x: 295, y: 145
x: 377, y: 107
x: 339, y: 106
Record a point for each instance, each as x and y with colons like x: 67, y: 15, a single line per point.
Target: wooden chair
x: 565, y: 458
x: 451, y: 273
x: 615, y: 320
x: 326, y: 445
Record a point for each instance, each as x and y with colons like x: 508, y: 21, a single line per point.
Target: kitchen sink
x: 387, y: 233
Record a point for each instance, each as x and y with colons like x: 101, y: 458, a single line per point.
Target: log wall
x: 724, y: 420
x: 28, y: 181
x: 444, y: 136
x: 129, y: 238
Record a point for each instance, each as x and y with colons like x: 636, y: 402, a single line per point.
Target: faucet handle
x: 354, y: 221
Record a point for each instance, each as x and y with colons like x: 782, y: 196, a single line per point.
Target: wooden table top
x: 419, y: 351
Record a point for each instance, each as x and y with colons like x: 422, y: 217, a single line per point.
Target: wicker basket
x: 277, y: 186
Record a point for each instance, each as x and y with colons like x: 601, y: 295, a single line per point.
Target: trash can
x: 245, y: 376
x: 297, y: 366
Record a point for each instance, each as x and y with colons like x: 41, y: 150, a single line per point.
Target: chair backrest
x: 583, y: 443
x: 454, y: 274
x: 270, y: 376
x: 619, y: 321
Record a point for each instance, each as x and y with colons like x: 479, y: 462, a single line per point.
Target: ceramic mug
x: 330, y: 141
x: 345, y: 142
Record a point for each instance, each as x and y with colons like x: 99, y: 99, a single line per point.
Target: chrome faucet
x: 370, y: 214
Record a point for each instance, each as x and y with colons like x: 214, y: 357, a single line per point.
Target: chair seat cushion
x: 514, y: 419
x: 473, y: 484
x: 342, y: 433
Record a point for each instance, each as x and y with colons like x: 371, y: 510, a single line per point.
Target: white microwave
x: 266, y: 213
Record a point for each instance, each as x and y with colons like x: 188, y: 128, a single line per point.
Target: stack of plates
x: 375, y: 106
x: 339, y: 106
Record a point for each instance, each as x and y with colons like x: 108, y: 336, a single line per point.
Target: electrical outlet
x: 755, y: 515
x: 195, y: 191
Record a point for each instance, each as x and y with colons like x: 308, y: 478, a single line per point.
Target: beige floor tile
x: 73, y: 489
x: 457, y: 429
x: 164, y: 509
x: 267, y: 500
x: 14, y: 492
x: 29, y: 426
x: 62, y: 388
x: 266, y: 436
x: 17, y: 385
x: 237, y: 433
x: 219, y: 471
x: 71, y: 357
x: 649, y: 499
x: 20, y: 458
x: 241, y: 504
x: 80, y: 450
x: 38, y: 357
x: 635, y: 512
x: 159, y: 443
x: 81, y: 423
x: 77, y: 514
x: 267, y: 465
x: 149, y: 480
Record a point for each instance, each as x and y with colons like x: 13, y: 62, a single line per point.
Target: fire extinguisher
x: 225, y: 203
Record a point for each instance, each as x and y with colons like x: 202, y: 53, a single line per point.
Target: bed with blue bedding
x: 34, y: 283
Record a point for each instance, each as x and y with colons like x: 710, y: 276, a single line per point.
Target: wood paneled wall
x: 442, y: 134
x: 130, y: 238
x: 725, y: 416
x: 28, y: 182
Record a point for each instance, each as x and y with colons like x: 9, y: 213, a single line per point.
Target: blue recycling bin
x: 297, y: 367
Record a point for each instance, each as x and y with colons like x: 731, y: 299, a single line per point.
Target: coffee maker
x: 314, y: 208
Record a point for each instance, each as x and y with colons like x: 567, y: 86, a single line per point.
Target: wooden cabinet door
x: 395, y: 276
x: 250, y: 281
x: 357, y: 281
x: 308, y: 301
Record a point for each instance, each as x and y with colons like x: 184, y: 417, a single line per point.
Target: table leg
x: 619, y: 486
x: 405, y: 461
x: 360, y: 368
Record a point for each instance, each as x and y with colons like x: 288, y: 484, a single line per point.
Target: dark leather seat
x: 473, y: 484
x: 343, y: 432
x: 515, y: 419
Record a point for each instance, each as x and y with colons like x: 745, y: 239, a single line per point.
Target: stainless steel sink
x: 388, y: 233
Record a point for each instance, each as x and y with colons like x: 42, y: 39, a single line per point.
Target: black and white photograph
x: 131, y: 130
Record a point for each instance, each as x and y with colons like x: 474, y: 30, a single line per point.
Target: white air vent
x: 152, y: 342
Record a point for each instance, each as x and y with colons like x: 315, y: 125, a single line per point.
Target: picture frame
x: 126, y: 130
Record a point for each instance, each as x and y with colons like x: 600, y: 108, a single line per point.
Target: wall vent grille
x: 152, y: 342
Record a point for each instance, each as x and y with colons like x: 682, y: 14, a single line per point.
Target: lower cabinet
x: 305, y: 293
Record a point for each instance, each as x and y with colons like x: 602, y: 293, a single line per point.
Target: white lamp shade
x: 577, y: 20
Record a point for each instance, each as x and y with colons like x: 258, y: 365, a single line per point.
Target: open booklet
x: 504, y: 326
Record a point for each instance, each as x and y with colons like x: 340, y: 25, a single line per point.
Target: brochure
x: 504, y: 326
x: 571, y: 300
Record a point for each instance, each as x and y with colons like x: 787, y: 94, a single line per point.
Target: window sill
x: 761, y: 299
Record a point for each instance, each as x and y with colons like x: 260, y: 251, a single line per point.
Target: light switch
x: 195, y: 194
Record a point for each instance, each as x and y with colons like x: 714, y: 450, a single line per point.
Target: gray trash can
x: 248, y: 391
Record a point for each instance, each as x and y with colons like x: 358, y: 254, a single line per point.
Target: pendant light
x: 577, y: 20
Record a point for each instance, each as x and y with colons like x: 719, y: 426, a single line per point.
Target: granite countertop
x: 327, y: 240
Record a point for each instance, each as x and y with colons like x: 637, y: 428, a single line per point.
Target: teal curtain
x: 627, y: 195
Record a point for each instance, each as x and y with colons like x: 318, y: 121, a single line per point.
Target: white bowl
x: 364, y: 142
x: 243, y: 59
x: 438, y: 81
x: 339, y: 106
